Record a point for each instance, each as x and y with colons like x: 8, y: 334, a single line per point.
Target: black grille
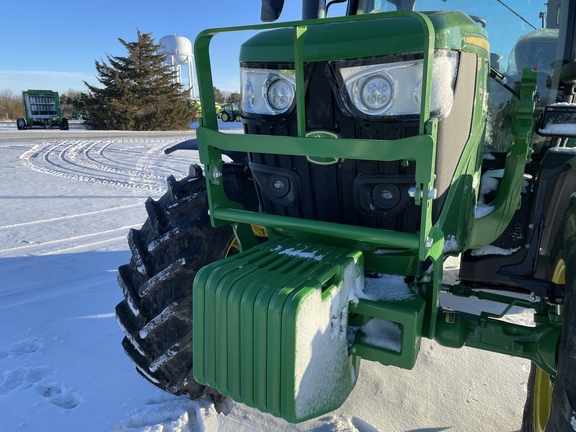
x: 354, y: 192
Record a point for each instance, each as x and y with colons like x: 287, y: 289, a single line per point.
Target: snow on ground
x: 67, y: 201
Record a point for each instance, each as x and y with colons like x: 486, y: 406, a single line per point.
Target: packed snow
x: 299, y: 253
x: 494, y: 250
x: 68, y: 200
x: 383, y: 333
x: 386, y: 288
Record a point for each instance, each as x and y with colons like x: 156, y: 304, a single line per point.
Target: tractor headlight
x: 372, y: 92
x: 267, y: 91
x: 394, y: 88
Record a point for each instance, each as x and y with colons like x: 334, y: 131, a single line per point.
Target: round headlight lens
x: 267, y: 91
x: 279, y: 95
x: 376, y: 93
x: 373, y: 94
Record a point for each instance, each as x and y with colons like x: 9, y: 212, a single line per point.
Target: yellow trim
x: 479, y: 42
x: 233, y: 249
x: 259, y: 231
x: 542, y: 399
x: 559, y: 275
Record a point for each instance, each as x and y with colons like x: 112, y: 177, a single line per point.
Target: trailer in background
x: 42, y: 108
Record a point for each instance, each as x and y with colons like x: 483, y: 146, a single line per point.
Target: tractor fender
x: 560, y: 162
x: 556, y: 182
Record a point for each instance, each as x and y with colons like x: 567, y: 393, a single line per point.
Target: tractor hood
x: 375, y: 35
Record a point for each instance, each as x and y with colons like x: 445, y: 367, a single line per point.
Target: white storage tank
x: 178, y: 50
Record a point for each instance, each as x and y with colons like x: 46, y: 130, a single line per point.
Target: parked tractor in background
x: 42, y: 108
x: 376, y: 145
x: 230, y: 112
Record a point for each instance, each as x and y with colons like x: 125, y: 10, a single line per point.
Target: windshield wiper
x: 500, y: 78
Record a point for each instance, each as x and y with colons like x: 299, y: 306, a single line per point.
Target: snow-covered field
x: 67, y: 201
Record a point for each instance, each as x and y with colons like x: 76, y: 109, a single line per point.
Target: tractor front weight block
x: 273, y: 326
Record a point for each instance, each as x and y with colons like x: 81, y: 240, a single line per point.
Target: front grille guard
x: 421, y: 149
x: 428, y: 243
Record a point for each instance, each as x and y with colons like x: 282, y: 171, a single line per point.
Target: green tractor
x: 376, y: 145
x: 42, y: 109
x: 230, y: 112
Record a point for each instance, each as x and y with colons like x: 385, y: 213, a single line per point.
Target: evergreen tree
x: 138, y: 92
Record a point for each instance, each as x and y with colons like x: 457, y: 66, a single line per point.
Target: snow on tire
x: 175, y: 242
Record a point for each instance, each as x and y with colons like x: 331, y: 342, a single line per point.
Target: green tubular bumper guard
x: 271, y: 327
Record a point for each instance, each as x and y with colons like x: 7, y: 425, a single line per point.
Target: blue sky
x: 53, y: 46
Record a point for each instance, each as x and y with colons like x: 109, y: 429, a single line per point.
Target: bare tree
x: 11, y: 105
x: 67, y: 101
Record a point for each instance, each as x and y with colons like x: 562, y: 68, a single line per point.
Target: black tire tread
x: 176, y: 241
x: 138, y: 255
x: 564, y: 392
x: 153, y: 217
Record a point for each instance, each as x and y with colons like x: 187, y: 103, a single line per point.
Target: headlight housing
x: 267, y: 91
x: 385, y: 87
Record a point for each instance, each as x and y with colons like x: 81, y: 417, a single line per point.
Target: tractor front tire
x: 174, y: 243
x: 225, y: 116
x: 552, y: 409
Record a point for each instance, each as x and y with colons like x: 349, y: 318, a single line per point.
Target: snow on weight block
x: 271, y: 328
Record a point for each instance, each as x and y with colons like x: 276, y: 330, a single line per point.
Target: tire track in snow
x: 69, y: 158
x: 84, y: 160
x: 105, y: 147
x: 151, y: 159
x: 89, y: 246
x: 136, y: 163
x: 61, y: 218
x: 71, y: 155
x: 29, y: 159
x: 51, y: 243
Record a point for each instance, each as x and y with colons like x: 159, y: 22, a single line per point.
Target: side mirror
x: 558, y: 120
x: 271, y: 10
x: 568, y: 73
